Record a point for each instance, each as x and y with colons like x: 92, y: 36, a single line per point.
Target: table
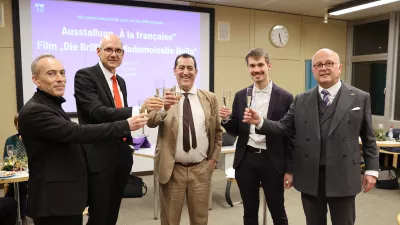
x: 388, y: 144
x: 150, y: 153
x: 20, y: 177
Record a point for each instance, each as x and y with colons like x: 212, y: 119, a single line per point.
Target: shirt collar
x: 193, y: 90
x: 106, y: 72
x: 332, y: 90
x: 267, y: 89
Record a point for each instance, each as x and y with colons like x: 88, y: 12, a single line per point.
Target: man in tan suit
x: 188, y: 146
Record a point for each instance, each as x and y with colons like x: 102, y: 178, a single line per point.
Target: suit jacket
x: 279, y: 148
x: 342, y: 147
x: 57, y: 169
x: 95, y: 105
x: 168, y: 123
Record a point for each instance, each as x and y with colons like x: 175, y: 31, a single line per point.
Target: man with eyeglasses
x: 101, y: 96
x: 327, y: 121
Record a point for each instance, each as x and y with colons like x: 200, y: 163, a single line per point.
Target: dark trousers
x: 106, y: 190
x: 23, y: 191
x: 256, y: 168
x: 342, y: 209
x: 59, y: 220
x: 8, y: 211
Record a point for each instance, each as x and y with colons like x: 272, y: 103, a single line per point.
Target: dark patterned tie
x: 188, y: 122
x: 325, y: 98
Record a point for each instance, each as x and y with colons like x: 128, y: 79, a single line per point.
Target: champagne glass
x: 249, y: 97
x: 142, y: 109
x: 178, y: 94
x: 160, y: 86
x: 226, y: 97
x: 10, y: 151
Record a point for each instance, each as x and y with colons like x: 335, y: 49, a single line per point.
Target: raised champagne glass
x: 226, y: 98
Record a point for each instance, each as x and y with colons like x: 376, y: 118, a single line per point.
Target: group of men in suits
x: 311, y: 141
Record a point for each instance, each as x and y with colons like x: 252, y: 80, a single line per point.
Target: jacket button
x: 308, y: 139
x: 349, y: 122
x: 305, y: 121
x: 306, y: 155
x: 344, y: 139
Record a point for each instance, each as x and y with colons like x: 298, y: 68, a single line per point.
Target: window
x: 371, y: 38
x: 371, y: 77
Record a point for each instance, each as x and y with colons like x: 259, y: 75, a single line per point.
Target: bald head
x: 110, y: 38
x: 326, y: 67
x: 111, y: 52
x: 326, y: 52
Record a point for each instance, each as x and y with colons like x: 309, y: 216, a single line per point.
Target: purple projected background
x: 59, y: 28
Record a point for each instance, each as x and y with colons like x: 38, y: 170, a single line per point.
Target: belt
x: 255, y: 150
x: 188, y: 164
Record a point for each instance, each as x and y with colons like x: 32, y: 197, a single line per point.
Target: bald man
x: 327, y: 121
x: 101, y: 96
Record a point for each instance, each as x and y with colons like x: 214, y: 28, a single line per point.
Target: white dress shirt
x: 107, y: 74
x: 261, y: 99
x: 332, y: 91
x: 200, y: 152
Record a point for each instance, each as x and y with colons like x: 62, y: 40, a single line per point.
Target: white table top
x: 19, y: 177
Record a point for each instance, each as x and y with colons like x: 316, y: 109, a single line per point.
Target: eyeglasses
x: 110, y: 51
x: 327, y: 65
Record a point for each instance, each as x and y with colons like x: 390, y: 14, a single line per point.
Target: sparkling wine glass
x: 160, y: 87
x: 142, y: 109
x: 226, y: 97
x: 249, y: 97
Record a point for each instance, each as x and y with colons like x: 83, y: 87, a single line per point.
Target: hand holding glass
x: 226, y: 97
x: 249, y: 97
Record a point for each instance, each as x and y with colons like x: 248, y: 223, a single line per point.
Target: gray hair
x: 257, y: 53
x: 36, y: 60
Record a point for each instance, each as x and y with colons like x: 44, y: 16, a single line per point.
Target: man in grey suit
x: 328, y: 120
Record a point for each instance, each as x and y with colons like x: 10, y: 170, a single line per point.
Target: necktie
x: 188, y: 122
x: 117, y: 97
x: 325, y: 98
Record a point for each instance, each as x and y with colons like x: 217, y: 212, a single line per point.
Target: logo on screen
x: 39, y: 7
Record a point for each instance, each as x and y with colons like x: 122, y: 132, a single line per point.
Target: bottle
x: 390, y: 134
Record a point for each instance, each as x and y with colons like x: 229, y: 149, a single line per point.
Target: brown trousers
x: 192, y: 182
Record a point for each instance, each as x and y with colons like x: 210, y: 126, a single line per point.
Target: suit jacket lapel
x: 344, y: 102
x: 273, y: 100
x: 205, y: 103
x: 312, y: 109
x: 104, y: 82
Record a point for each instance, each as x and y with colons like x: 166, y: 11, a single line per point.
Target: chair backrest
x: 227, y: 139
x: 396, y: 133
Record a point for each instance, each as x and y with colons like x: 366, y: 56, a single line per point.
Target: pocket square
x: 356, y: 108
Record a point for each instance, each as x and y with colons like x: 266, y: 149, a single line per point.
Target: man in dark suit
x: 328, y: 121
x: 101, y: 96
x: 57, y: 170
x: 261, y: 158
